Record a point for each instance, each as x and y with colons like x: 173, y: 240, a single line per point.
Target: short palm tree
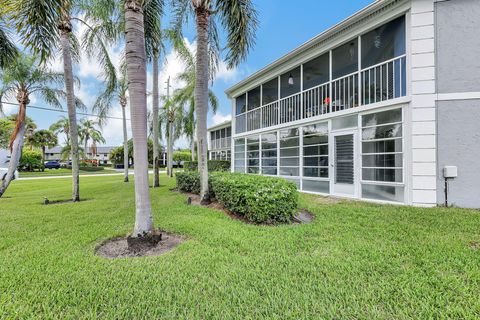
x: 22, y: 79
x: 61, y: 126
x: 239, y: 19
x: 42, y: 139
x: 103, y: 105
x: 87, y: 132
x: 47, y: 27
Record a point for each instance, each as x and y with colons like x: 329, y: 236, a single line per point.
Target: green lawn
x: 356, y: 261
x: 61, y: 172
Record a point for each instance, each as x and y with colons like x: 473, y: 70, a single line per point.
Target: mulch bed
x: 118, y: 247
x: 302, y: 217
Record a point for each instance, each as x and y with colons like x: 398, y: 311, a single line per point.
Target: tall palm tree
x: 61, y: 126
x: 8, y: 51
x: 239, y: 19
x: 43, y: 139
x: 103, y: 105
x: 23, y: 78
x: 137, y: 80
x: 47, y: 26
x: 154, y: 47
x: 87, y: 132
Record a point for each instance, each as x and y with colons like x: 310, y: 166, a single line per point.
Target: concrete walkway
x: 130, y: 172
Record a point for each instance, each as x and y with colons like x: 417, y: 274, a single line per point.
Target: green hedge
x: 257, y: 198
x: 213, y: 165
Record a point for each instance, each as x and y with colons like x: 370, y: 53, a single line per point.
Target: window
x: 253, y: 98
x: 239, y: 148
x: 384, y: 43
x: 241, y: 104
x: 290, y: 83
x: 253, y: 155
x: 289, y: 152
x: 345, y: 59
x: 382, y: 156
x: 315, y: 151
x: 269, y: 153
x: 270, y: 91
x: 316, y: 71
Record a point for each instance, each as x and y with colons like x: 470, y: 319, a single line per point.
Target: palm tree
x: 8, y: 51
x: 103, y: 105
x: 43, y: 139
x: 61, y: 126
x: 87, y: 132
x: 21, y: 79
x: 239, y: 19
x: 47, y: 26
x: 154, y: 46
x: 137, y: 79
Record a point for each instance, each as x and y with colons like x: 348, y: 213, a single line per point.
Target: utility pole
x: 170, y: 134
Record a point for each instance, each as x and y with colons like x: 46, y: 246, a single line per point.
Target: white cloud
x: 220, y: 118
x: 226, y: 74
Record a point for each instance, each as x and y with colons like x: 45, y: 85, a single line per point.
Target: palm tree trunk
x: 201, y: 98
x: 65, y: 29
x: 125, y: 144
x: 16, y: 144
x: 85, y: 156
x: 170, y: 149
x: 192, y: 147
x: 137, y: 79
x: 156, y: 179
x: 43, y: 155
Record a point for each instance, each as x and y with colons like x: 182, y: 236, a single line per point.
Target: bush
x: 91, y: 169
x: 213, y: 165
x: 257, y: 198
x: 182, y: 156
x: 31, y: 160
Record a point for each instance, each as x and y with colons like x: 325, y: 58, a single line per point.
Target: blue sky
x: 283, y: 26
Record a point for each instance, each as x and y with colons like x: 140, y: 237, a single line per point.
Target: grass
x: 356, y: 261
x: 61, y: 172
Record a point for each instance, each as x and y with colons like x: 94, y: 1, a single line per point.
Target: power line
x: 64, y: 111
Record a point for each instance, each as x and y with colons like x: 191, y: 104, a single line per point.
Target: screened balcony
x: 368, y: 69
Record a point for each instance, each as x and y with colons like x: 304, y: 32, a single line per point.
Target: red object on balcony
x: 327, y: 100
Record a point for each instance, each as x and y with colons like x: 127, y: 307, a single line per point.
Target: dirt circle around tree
x: 119, y: 247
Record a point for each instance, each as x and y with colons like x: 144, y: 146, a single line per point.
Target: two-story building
x: 373, y: 108
x: 220, y: 141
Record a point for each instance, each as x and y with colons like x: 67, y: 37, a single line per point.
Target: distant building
x: 220, y: 141
x: 102, y: 154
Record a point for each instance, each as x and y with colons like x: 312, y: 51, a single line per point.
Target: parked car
x: 52, y: 165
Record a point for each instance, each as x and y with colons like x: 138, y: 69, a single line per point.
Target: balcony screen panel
x: 270, y: 91
x: 254, y: 98
x: 384, y: 117
x: 316, y: 71
x: 382, y: 146
x: 239, y: 147
x: 382, y: 192
x: 384, y: 43
x: 316, y: 186
x: 241, y: 104
x: 287, y: 89
x: 253, y: 155
x: 345, y: 59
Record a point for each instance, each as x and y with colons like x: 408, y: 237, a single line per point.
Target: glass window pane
x: 291, y: 152
x: 375, y: 119
x: 345, y: 122
x: 296, y: 181
x: 345, y: 59
x: 382, y: 132
x: 270, y: 91
x: 315, y: 172
x: 316, y: 71
x: 290, y: 82
x: 292, y: 172
x: 269, y: 171
x: 382, y: 175
x: 289, y: 133
x: 269, y: 141
x: 318, y: 128
x: 315, y: 161
x: 253, y: 170
x: 386, y: 193
x: 289, y: 162
x: 384, y: 43
x: 269, y: 153
x: 382, y: 146
x: 316, y: 186
x: 254, y: 98
x: 269, y: 162
x: 315, y: 150
x: 285, y: 143
x: 314, y: 140
x: 241, y: 104
x: 383, y: 160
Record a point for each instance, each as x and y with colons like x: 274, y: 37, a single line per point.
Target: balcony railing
x: 377, y: 83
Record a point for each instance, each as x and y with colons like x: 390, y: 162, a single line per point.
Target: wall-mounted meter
x: 450, y: 172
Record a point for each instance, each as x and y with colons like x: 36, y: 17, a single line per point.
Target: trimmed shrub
x: 213, y: 165
x: 259, y: 199
x: 30, y: 160
x: 91, y: 169
x: 188, y: 181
